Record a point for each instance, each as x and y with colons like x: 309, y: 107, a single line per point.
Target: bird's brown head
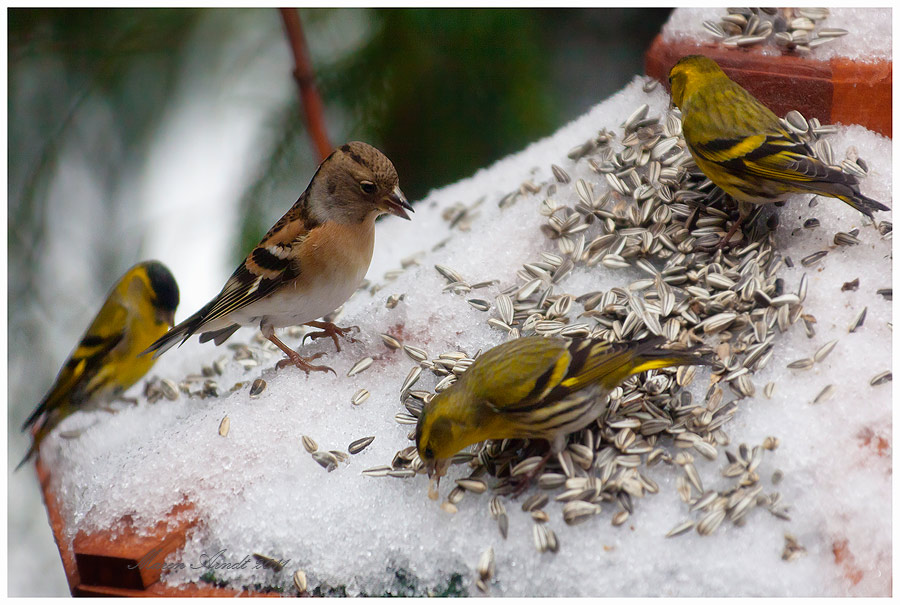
x: 354, y: 183
x: 690, y: 73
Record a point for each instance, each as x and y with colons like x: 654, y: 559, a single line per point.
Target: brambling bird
x: 534, y: 388
x: 138, y: 310
x: 310, y: 262
x: 744, y: 149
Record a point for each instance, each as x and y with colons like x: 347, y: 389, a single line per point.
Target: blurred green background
x: 177, y: 134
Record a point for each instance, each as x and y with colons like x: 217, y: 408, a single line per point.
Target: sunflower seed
x: 710, y: 522
x: 526, y: 466
x: 390, y: 341
x: 801, y: 364
x: 560, y: 175
x: 360, y: 444
x: 404, y: 418
x: 359, y: 397
x: 824, y: 394
x: 691, y: 473
x: 258, y: 386
x: 224, y: 426
x: 744, y: 41
x: 714, y: 28
x: 496, y: 507
x: 887, y: 293
x: 360, y: 366
x: 832, y: 32
x: 535, y: 502
x: 481, y: 305
x: 485, y: 566
x: 824, y: 350
x: 300, y: 582
x: 852, y: 168
x: 551, y: 480
x: 708, y: 451
x: 682, y: 527
x: 410, y: 380
x: 476, y: 486
x: 881, y: 378
x: 169, y: 389
x: 309, y: 444
x: 769, y: 389
x: 812, y: 259
x: 639, y: 114
x: 449, y: 274
x: 326, y: 460
x: 416, y: 354
x: 845, y: 239
x: 797, y: 122
x: 505, y: 308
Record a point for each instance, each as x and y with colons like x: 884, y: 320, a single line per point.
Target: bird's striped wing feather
x: 779, y: 156
x: 264, y: 270
x: 78, y: 375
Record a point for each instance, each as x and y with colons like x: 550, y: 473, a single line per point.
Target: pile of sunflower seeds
x: 793, y: 30
x: 647, y: 207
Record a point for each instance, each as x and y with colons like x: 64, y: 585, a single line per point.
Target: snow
x: 869, y: 38
x: 257, y: 490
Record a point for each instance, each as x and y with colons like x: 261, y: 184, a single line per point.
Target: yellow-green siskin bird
x: 534, y: 388
x: 139, y: 309
x: 744, y: 149
x: 310, y: 262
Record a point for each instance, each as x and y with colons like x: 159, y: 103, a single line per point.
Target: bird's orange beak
x: 397, y: 205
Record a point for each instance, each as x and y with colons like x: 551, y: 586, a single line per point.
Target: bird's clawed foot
x: 329, y: 330
x: 303, y: 363
x: 294, y: 358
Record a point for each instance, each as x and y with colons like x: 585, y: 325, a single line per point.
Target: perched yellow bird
x: 534, y: 388
x: 138, y: 310
x: 744, y: 149
x: 310, y: 262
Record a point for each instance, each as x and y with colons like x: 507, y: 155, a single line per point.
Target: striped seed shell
x: 360, y: 444
x: 360, y: 366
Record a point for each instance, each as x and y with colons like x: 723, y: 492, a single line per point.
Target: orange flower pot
x: 836, y: 90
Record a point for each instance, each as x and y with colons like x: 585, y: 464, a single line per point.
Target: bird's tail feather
x: 647, y: 355
x: 31, y: 452
x: 45, y: 426
x: 864, y: 204
x: 179, y: 334
x: 625, y: 359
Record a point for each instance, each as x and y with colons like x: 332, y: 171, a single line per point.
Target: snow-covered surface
x: 869, y: 38
x: 258, y: 491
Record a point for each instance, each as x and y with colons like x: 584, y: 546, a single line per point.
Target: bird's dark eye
x: 429, y: 453
x: 367, y: 186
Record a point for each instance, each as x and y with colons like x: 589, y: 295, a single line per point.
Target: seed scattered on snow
x: 309, y: 444
x: 359, y: 397
x: 360, y: 444
x: 224, y: 426
x: 360, y: 366
x: 258, y: 386
x: 881, y: 378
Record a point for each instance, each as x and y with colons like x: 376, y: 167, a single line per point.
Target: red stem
x: 313, y: 110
